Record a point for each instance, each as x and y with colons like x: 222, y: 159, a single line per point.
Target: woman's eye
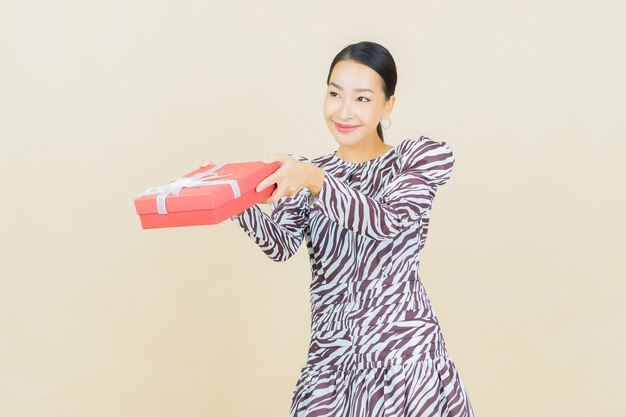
x: 365, y: 98
x: 333, y: 93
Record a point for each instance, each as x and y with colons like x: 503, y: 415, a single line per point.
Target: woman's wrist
x: 316, y: 180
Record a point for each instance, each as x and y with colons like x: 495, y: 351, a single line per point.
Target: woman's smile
x: 345, y: 128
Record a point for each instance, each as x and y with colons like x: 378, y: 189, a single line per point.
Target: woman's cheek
x: 371, y: 115
x: 328, y: 111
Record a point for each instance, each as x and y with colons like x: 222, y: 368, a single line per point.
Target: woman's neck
x: 362, y: 152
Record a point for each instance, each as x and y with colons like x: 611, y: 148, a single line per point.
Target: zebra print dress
x: 376, y: 348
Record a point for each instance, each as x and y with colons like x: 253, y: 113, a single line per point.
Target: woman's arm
x: 426, y: 165
x: 280, y: 234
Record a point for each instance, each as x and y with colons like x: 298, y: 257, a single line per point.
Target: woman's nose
x: 345, y: 110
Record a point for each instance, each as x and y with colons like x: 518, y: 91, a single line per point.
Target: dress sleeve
x: 280, y: 234
x: 426, y: 165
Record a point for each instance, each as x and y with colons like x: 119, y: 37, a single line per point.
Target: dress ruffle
x: 424, y: 387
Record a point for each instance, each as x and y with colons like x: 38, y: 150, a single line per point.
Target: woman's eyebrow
x: 359, y: 90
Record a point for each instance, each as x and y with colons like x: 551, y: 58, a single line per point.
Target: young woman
x: 376, y: 347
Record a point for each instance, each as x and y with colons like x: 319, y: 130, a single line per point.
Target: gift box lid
x: 228, y: 180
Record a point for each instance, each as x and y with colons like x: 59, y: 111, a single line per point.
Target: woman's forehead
x: 353, y: 75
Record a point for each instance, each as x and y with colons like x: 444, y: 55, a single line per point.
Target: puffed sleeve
x: 280, y: 234
x: 426, y: 165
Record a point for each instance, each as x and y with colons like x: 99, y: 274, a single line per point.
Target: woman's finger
x: 276, y: 157
x: 266, y: 182
x: 206, y: 162
x: 278, y: 193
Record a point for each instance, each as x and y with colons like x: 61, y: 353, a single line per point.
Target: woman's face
x: 355, y: 103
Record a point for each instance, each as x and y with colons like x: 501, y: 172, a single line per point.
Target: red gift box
x: 208, y: 195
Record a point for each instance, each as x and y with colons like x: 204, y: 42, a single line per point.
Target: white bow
x: 200, y: 179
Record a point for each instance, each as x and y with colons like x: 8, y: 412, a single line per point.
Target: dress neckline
x: 369, y: 161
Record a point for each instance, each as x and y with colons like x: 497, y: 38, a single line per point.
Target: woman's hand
x: 291, y: 177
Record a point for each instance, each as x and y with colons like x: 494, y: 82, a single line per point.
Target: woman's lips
x: 345, y: 128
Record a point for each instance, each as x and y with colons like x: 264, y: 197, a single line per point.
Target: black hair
x: 378, y: 58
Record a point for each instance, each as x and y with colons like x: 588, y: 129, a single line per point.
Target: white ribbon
x: 200, y: 179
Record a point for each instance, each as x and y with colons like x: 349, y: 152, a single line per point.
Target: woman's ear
x: 389, y: 105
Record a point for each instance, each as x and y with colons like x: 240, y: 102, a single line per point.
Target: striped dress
x: 376, y: 348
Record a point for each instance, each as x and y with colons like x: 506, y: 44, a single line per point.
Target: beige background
x: 99, y: 100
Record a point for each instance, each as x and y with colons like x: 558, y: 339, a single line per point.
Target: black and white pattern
x: 376, y: 347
